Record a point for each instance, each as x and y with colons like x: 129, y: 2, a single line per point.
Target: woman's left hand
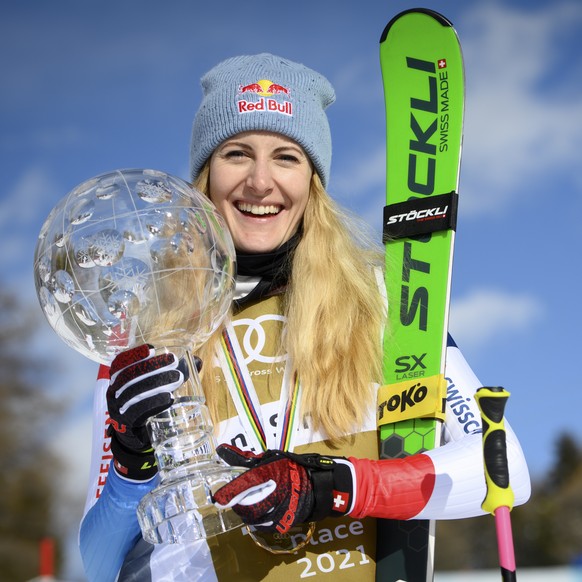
x: 282, y: 489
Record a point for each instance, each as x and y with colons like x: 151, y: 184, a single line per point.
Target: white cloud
x: 484, y: 314
x: 519, y: 125
x: 19, y: 206
x: 368, y: 172
x: 351, y: 82
x: 72, y: 443
x: 23, y: 208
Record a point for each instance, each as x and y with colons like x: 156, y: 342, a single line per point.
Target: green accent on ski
x: 422, y: 72
x: 407, y: 438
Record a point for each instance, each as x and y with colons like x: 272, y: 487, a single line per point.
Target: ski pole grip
x: 491, y: 402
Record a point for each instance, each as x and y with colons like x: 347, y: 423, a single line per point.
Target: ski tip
x: 432, y: 13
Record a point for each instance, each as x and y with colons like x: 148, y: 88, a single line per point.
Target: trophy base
x: 181, y: 510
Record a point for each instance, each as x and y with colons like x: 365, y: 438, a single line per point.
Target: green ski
x: 422, y: 72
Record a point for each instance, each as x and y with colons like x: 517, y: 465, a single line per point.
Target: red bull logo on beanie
x: 268, y: 98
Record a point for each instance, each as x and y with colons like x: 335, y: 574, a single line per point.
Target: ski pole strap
x: 417, y: 216
x: 412, y: 399
x: 492, y: 403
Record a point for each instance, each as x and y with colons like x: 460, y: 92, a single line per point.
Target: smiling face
x: 260, y: 182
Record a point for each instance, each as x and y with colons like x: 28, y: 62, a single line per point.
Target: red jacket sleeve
x: 394, y: 488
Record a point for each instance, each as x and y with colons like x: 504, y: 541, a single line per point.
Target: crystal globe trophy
x: 139, y: 256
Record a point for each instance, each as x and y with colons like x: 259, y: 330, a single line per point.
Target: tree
x: 29, y: 468
x: 568, y: 460
x: 465, y: 544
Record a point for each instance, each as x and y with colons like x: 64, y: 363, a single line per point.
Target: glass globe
x: 133, y: 257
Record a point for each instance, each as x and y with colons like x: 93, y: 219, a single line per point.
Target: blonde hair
x: 335, y: 314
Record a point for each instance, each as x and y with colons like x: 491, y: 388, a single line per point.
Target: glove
x: 282, y: 489
x: 140, y: 387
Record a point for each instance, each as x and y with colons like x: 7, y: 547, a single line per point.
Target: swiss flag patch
x: 341, y: 500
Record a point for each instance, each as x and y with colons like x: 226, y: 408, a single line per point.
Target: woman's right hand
x: 141, y: 386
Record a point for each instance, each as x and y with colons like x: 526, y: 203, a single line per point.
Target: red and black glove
x: 281, y: 489
x: 140, y: 387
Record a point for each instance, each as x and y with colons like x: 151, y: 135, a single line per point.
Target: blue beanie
x: 268, y: 93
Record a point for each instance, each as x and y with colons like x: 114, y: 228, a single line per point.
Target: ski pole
x: 499, y: 497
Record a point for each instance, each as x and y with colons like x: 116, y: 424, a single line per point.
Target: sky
x: 88, y: 87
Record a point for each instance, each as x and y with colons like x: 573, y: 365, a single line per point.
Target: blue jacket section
x: 117, y: 508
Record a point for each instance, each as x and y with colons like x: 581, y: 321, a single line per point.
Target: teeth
x: 257, y: 210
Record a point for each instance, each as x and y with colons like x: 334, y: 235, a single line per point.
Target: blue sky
x: 89, y: 87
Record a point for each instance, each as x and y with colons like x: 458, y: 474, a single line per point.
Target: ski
x: 422, y: 72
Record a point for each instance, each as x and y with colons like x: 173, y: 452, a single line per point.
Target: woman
x: 309, y: 307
